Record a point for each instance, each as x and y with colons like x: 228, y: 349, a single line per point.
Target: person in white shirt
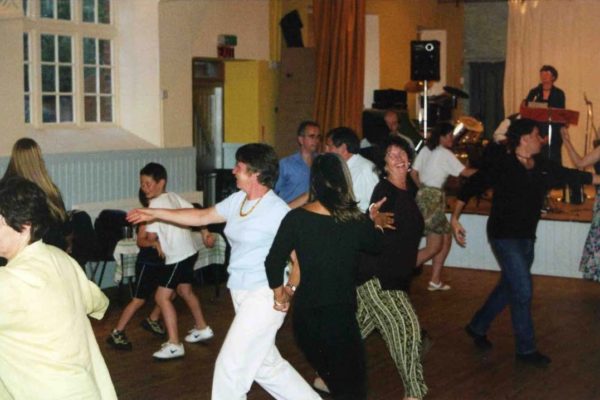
x: 344, y: 141
x: 180, y: 251
x: 432, y: 167
x: 47, y: 346
x: 252, y: 216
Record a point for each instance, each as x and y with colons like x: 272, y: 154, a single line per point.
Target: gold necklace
x: 245, y: 214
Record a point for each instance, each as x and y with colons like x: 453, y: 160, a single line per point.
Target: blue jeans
x: 514, y: 289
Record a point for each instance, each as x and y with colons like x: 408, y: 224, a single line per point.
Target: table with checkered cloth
x: 125, y: 255
x: 126, y: 251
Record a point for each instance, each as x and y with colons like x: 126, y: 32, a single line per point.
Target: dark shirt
x: 328, y: 255
x: 556, y: 98
x: 395, y: 265
x: 518, y: 192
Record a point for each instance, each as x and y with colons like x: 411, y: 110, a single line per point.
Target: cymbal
x: 416, y: 86
x: 471, y: 124
x: 456, y: 92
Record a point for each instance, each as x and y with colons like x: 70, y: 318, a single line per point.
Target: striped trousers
x: 392, y: 314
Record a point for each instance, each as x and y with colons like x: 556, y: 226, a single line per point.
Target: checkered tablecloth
x: 126, y: 251
x: 125, y: 255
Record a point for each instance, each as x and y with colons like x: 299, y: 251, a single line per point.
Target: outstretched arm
x: 580, y: 162
x: 181, y: 216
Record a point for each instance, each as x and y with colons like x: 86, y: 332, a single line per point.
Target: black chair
x: 109, y: 230
x: 84, y: 244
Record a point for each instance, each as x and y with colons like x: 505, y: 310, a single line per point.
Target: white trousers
x: 249, y: 353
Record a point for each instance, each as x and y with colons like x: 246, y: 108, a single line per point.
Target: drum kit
x: 468, y: 131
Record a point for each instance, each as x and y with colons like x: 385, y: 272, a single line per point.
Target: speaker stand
x: 422, y: 142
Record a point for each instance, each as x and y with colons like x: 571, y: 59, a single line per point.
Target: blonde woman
x: 27, y: 162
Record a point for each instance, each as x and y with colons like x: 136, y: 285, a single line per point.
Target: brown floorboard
x: 567, y: 321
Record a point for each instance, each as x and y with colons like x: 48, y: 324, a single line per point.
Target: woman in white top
x: 432, y: 167
x: 253, y: 216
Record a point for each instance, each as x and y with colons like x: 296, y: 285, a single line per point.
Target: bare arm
x: 580, y: 162
x: 414, y: 174
x: 181, y: 216
x: 460, y: 235
x: 299, y: 201
x: 467, y: 172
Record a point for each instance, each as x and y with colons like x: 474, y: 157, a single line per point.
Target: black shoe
x: 535, y: 359
x: 426, y: 343
x: 481, y: 341
x: 153, y: 327
x: 119, y: 341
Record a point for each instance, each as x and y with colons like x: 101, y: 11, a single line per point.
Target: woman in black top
x: 520, y: 179
x: 546, y: 92
x: 327, y: 235
x: 383, y: 301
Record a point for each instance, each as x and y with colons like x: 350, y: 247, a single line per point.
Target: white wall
x: 138, y: 66
x: 12, y: 126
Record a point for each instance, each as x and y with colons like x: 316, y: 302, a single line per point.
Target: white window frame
x: 27, y: 66
x: 98, y: 95
x: 35, y: 26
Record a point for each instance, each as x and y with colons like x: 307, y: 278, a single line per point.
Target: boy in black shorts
x: 147, y: 268
x: 180, y: 253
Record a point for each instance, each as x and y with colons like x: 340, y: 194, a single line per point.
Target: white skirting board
x: 558, y: 247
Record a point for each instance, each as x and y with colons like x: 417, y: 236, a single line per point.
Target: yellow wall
x: 399, y: 22
x: 250, y: 88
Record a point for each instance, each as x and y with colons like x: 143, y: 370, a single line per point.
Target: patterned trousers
x: 392, y: 314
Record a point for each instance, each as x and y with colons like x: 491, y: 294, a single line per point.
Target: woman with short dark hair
x: 48, y: 348
x: 520, y: 179
x: 327, y: 235
x: 383, y: 302
x: 252, y: 216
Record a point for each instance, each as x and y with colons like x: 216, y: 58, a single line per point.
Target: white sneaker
x: 432, y: 287
x: 199, y: 335
x: 169, y: 350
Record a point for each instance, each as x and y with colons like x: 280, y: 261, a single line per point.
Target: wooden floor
x: 567, y: 321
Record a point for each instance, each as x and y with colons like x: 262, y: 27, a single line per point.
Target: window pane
x: 26, y: 78
x: 88, y: 11
x: 65, y: 79
x: 66, y: 108
x: 104, y: 11
x: 48, y: 78
x: 25, y: 6
x: 104, y: 51
x: 89, y: 51
x: 89, y: 80
x: 49, y: 108
x: 27, y: 110
x: 64, y: 9
x: 47, y: 8
x: 26, y: 47
x: 47, y: 48
x: 105, y: 109
x: 64, y: 49
x: 105, y: 81
x: 89, y: 106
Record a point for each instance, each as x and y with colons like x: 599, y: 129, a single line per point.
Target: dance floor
x: 567, y: 320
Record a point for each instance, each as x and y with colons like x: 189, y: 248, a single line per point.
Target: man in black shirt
x: 520, y: 179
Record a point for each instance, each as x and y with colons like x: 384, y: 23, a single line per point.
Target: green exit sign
x: 227, y: 40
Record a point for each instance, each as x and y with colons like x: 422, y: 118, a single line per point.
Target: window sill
x: 77, y: 140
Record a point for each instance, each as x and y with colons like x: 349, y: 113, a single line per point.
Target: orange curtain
x: 340, y: 44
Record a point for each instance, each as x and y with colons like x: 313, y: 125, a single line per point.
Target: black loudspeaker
x: 425, y: 60
x: 291, y: 26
